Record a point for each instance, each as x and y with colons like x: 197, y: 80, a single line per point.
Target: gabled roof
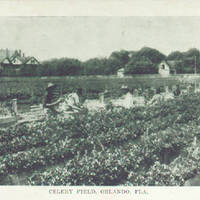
x: 4, y: 59
x: 17, y: 56
x: 31, y: 59
x: 24, y: 60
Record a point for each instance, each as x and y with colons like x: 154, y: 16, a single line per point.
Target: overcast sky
x: 88, y: 37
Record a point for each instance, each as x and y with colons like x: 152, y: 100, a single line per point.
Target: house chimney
x: 7, y: 53
x: 20, y: 52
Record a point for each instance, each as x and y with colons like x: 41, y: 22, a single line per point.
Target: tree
x: 186, y: 60
x: 190, y: 57
x: 140, y: 65
x: 95, y: 66
x: 152, y: 54
x: 175, y: 55
x: 60, y: 67
x: 192, y: 52
x: 120, y: 57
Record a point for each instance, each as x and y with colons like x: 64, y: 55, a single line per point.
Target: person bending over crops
x: 73, y: 98
x: 71, y: 101
x: 157, y: 98
x: 126, y: 99
x: 52, y: 97
x: 177, y: 91
x: 167, y: 95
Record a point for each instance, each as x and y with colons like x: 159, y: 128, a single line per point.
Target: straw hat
x: 124, y: 87
x: 50, y: 85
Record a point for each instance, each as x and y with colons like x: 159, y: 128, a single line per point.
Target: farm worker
x: 189, y: 88
x: 127, y: 98
x: 177, y: 92
x: 135, y: 92
x: 167, y: 95
x: 14, y: 106
x: 52, y: 98
x: 157, y: 98
x: 72, y: 100
x: 146, y: 95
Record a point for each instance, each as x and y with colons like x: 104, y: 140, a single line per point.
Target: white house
x: 165, y: 68
x: 120, y: 72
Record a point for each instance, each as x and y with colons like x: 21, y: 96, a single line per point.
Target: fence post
x: 166, y: 89
x: 14, y: 106
x: 101, y: 97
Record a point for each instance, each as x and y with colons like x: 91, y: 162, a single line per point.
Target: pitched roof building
x: 167, y: 67
x: 16, y: 58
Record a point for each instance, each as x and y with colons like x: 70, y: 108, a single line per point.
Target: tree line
x: 144, y: 61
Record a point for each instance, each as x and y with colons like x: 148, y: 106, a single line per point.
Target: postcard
x: 99, y: 99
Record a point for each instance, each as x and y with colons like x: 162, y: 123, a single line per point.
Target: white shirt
x: 72, y: 99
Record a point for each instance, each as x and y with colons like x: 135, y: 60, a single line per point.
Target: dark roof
x: 22, y: 59
x: 18, y: 56
x: 31, y: 58
x: 172, y: 63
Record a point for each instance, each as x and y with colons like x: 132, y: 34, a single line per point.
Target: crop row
x: 184, y: 167
x: 108, y: 167
x: 113, y: 166
x: 68, y: 146
x: 105, y: 147
x: 36, y: 157
x: 27, y: 137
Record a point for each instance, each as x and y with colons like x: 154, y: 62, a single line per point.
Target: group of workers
x: 166, y: 95
x: 57, y: 103
x: 137, y: 97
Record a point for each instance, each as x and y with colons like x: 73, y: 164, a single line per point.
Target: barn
x: 167, y: 67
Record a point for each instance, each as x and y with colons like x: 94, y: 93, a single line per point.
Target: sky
x: 89, y: 37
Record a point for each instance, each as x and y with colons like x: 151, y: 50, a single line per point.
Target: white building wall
x: 163, y: 69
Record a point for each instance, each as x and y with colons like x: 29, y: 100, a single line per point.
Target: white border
x: 99, y: 8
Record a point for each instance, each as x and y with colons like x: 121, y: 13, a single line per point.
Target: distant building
x: 15, y: 60
x: 165, y: 68
x: 120, y: 72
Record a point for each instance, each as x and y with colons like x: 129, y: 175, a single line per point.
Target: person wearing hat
x: 177, y: 92
x: 124, y: 90
x: 52, y: 97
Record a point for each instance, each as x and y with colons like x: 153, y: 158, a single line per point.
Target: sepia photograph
x: 100, y: 101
